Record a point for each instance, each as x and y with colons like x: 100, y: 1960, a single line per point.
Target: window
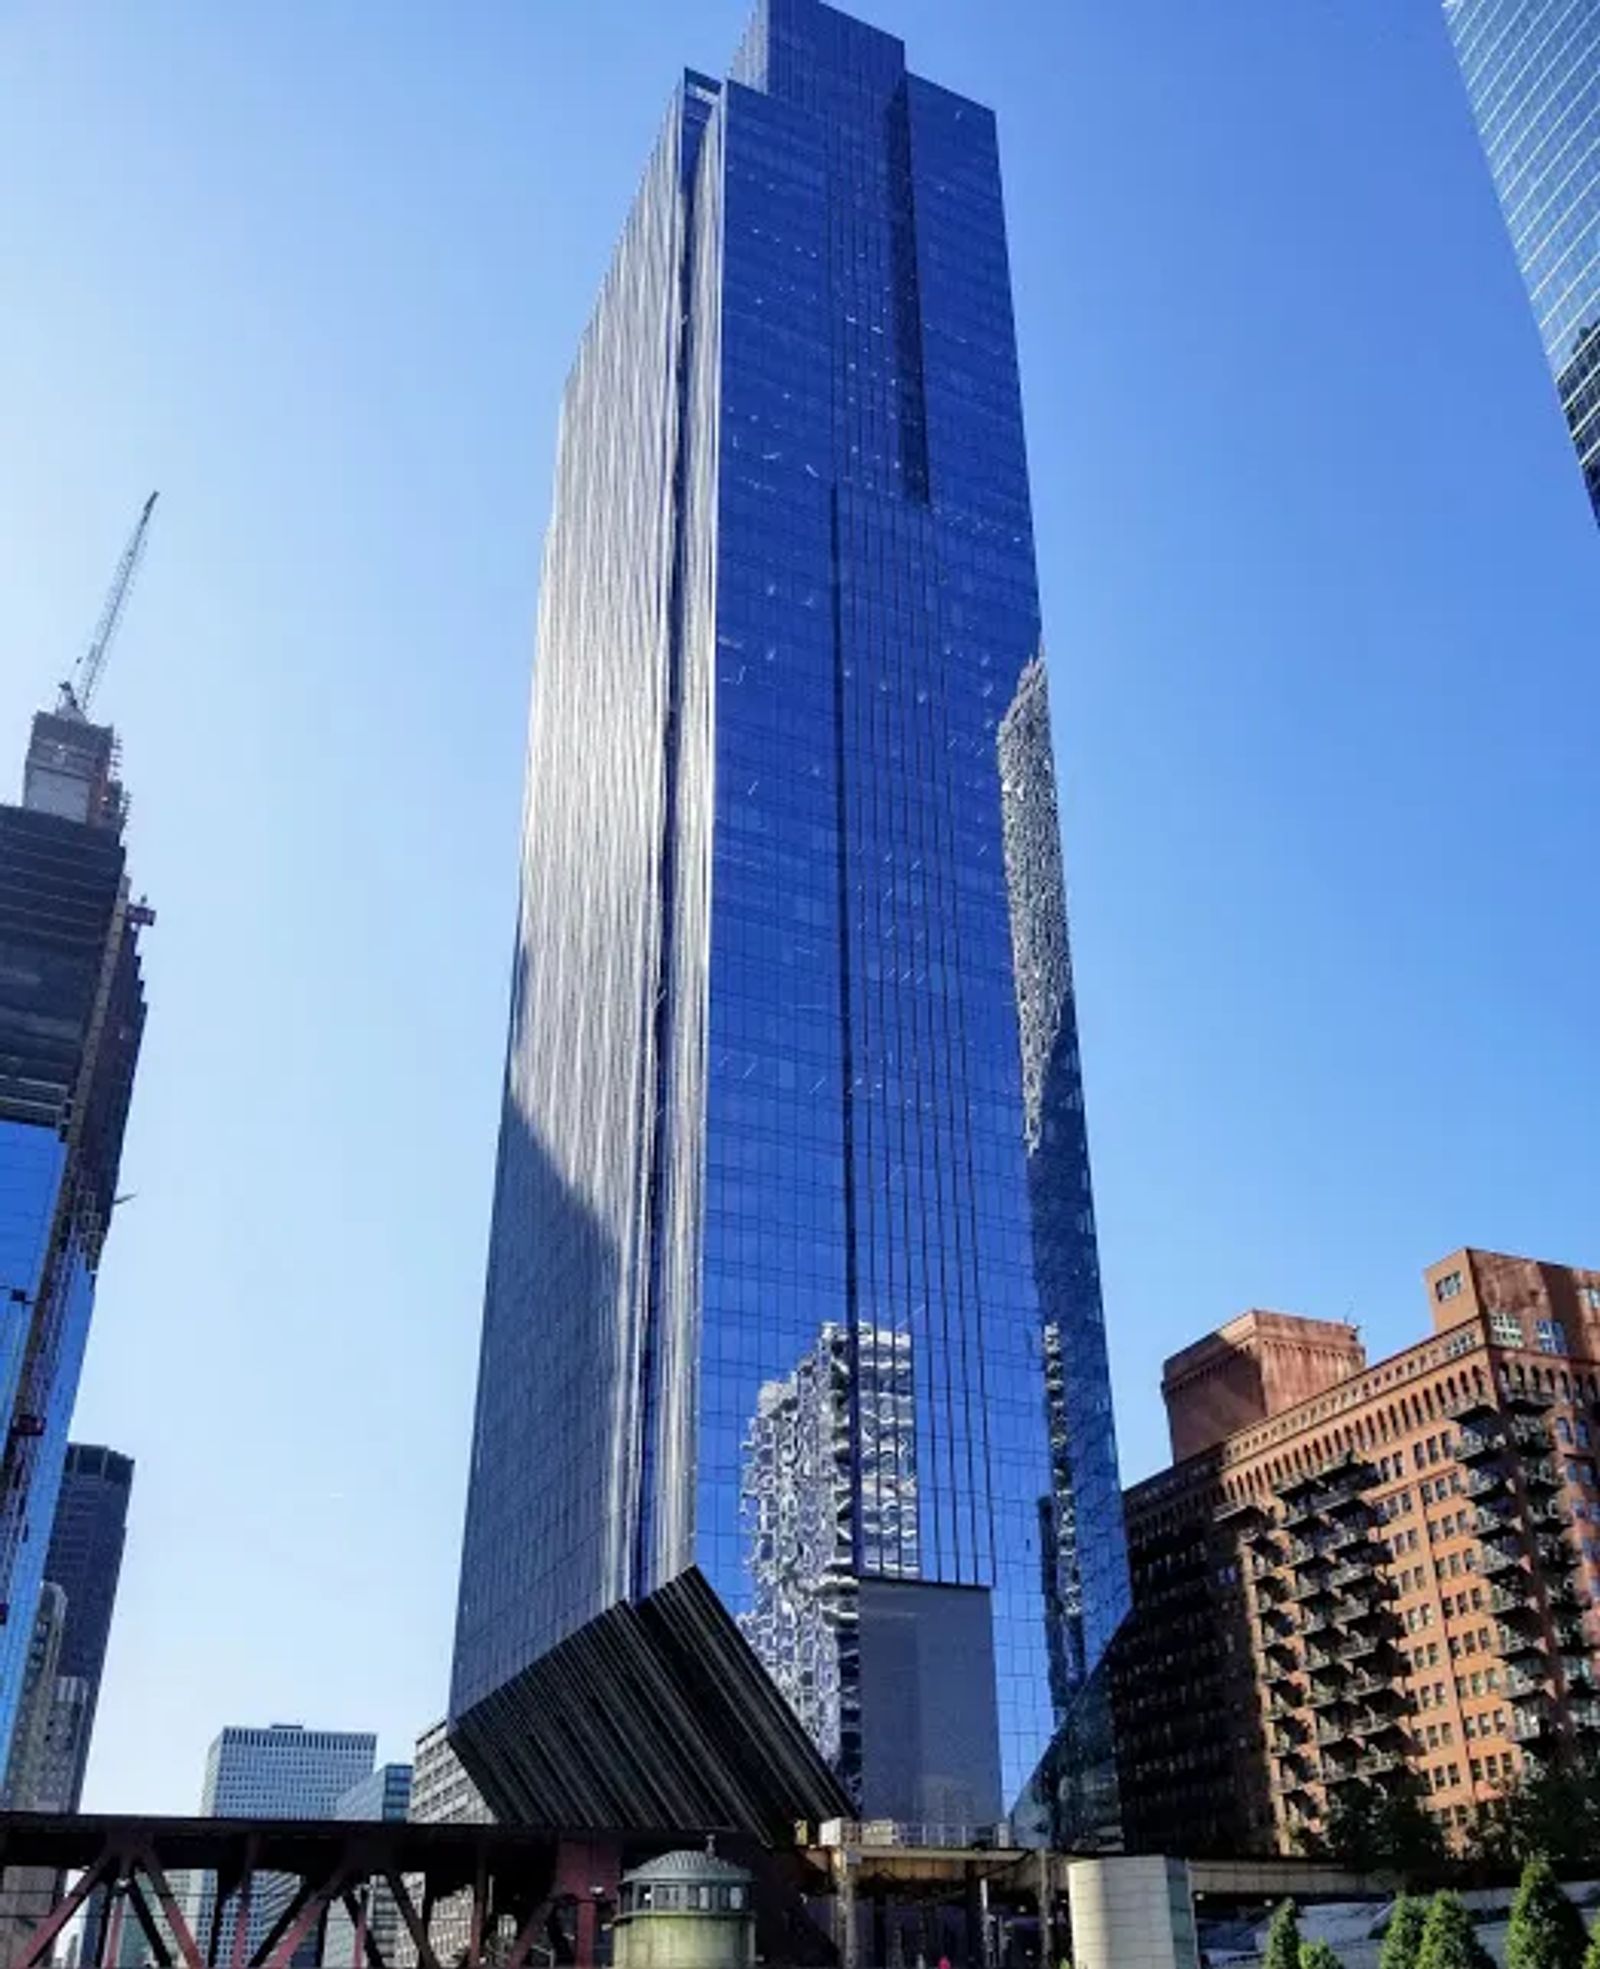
x: 1448, y: 1287
x: 1591, y: 1297
x: 1505, y: 1329
x: 1552, y: 1336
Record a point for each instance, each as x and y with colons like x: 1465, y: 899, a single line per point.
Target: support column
x: 846, y: 1934
x: 1049, y: 1952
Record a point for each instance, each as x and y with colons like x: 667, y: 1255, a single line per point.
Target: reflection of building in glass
x: 801, y: 1482
x: 792, y: 1036
x: 71, y: 1019
x: 1532, y: 70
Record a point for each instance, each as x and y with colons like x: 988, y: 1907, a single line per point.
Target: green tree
x: 1319, y: 1955
x: 1546, y: 1929
x: 1402, y: 1938
x: 1283, y: 1939
x: 1591, y: 1955
x: 1371, y: 1830
x: 1554, y: 1812
x: 1449, y: 1940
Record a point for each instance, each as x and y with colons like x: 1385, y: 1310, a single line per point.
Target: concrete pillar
x: 1045, y: 1889
x: 1132, y: 1914
x: 846, y: 1931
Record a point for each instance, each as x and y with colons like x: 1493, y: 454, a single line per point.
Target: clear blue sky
x: 1320, y: 583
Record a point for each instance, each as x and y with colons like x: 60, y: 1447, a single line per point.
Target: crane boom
x: 78, y: 693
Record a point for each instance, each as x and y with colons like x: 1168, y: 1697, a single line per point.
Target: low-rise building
x: 1362, y: 1578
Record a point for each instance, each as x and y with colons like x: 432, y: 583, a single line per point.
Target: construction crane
x: 77, y: 693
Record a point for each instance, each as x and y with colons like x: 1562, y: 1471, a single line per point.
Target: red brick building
x: 1358, y: 1574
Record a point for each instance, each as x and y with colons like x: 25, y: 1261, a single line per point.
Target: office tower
x: 1532, y: 70
x: 441, y: 1794
x: 284, y: 1771
x: 384, y: 1794
x: 792, y: 1085
x: 1375, y: 1581
x: 30, y: 1740
x: 71, y: 1017
x: 85, y: 1561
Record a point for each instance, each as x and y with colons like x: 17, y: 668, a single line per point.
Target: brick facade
x: 1396, y: 1575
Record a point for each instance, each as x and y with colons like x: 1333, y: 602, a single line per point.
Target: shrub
x: 1546, y: 1929
x: 1403, y: 1937
x: 1319, y: 1955
x: 1283, y: 1939
x: 1449, y: 1940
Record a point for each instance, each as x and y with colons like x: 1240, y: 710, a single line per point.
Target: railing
x: 934, y: 1833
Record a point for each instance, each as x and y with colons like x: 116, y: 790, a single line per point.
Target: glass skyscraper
x: 1532, y: 70
x: 71, y: 1020
x: 794, y: 1485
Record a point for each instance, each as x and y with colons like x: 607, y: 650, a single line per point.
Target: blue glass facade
x: 71, y: 1020
x: 792, y: 1282
x: 1532, y: 70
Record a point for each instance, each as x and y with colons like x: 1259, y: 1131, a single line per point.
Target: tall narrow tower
x: 793, y: 1484
x: 1532, y: 70
x: 71, y: 1017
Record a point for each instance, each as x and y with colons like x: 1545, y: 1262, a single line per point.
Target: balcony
x: 1570, y: 1635
x: 1511, y: 1597
x: 1523, y: 1400
x: 1473, y: 1445
x: 1348, y: 1535
x: 1382, y: 1764
x: 1492, y: 1481
x: 1586, y: 1717
x: 1525, y: 1686
x: 1262, y: 1536
x: 1304, y: 1552
x: 1347, y: 1494
x: 1497, y: 1563
x: 1311, y: 1586
x: 1374, y: 1725
x: 1299, y: 1511
x: 1327, y: 1661
x: 1371, y: 1688
x: 1531, y: 1437
x: 1556, y: 1555
x: 1540, y: 1474
x: 1529, y: 1726
x: 1367, y: 1613
x: 1495, y: 1524
x: 1358, y: 1576
x: 1548, y: 1514
x: 1286, y: 1701
x: 1512, y: 1643
x: 1471, y: 1404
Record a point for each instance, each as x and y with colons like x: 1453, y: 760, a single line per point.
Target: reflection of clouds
x: 829, y: 1493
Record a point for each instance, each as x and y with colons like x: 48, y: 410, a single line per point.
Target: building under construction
x: 71, y: 1019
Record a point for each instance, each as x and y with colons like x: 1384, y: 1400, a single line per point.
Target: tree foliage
x: 1283, y: 1939
x: 1402, y: 1938
x: 1371, y: 1830
x: 1319, y: 1955
x: 1554, y: 1813
x: 1546, y: 1929
x: 1449, y: 1940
